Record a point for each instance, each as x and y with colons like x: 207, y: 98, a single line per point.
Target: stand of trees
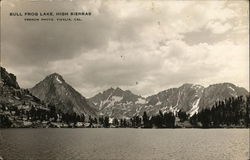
x: 5, y: 121
x: 229, y: 113
x: 160, y: 120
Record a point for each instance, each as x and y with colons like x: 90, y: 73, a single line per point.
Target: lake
x: 124, y: 144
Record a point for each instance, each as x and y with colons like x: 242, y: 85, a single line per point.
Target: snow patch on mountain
x: 233, y: 94
x: 165, y: 109
x: 110, y: 101
x: 138, y: 110
x: 158, y: 103
x: 231, y: 88
x: 174, y: 110
x: 194, y: 108
x: 141, y: 101
x: 105, y: 101
x: 177, y: 103
x: 196, y: 86
x: 58, y: 80
x: 129, y: 103
x: 116, y: 98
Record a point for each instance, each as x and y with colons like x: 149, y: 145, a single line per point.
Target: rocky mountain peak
x: 54, y: 89
x: 118, y: 89
x: 191, y: 86
x: 110, y: 90
x: 56, y: 78
x: 55, y: 75
x: 116, y: 102
x: 8, y: 79
x: 186, y: 85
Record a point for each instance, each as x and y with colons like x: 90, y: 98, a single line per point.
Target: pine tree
x: 145, y: 119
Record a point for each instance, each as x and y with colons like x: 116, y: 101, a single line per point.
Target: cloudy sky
x: 143, y: 46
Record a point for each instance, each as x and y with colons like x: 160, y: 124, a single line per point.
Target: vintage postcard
x: 124, y: 80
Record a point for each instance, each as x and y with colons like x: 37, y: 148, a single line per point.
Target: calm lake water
x: 129, y: 144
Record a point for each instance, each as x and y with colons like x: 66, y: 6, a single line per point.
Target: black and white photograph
x: 124, y: 80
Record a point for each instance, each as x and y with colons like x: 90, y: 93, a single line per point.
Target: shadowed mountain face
x: 219, y: 92
x: 53, y: 89
x: 188, y: 97
x: 12, y: 95
x: 8, y: 79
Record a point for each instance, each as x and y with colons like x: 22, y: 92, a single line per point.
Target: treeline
x: 232, y: 112
x: 166, y: 120
x: 48, y: 114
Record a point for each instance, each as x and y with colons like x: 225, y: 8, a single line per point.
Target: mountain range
x: 114, y: 102
x: 189, y: 98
